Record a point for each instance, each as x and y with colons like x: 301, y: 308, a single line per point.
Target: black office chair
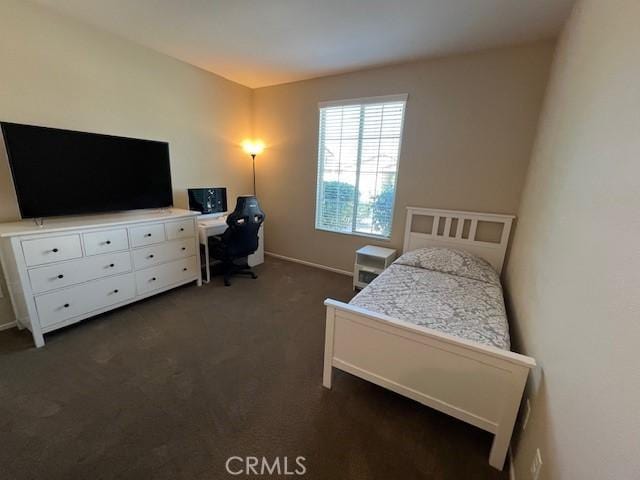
x: 239, y: 240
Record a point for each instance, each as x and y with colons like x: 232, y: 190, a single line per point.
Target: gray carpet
x: 170, y: 387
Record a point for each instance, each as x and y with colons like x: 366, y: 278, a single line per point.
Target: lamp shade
x: 253, y: 147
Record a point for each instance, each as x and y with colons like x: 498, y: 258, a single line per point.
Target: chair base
x: 229, y: 269
x: 228, y: 275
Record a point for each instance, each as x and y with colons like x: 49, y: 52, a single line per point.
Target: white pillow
x: 451, y: 261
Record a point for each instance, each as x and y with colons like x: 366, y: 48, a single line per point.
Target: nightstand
x: 370, y: 262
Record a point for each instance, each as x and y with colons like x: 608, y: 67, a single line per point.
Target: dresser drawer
x: 51, y: 249
x: 106, y: 241
x: 163, y: 252
x: 147, y: 234
x: 61, y: 275
x: 56, y: 307
x: 166, y: 274
x: 181, y: 229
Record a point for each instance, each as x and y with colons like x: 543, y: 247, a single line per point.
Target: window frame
x: 320, y: 161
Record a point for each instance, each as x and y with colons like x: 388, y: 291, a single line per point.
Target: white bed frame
x: 478, y: 384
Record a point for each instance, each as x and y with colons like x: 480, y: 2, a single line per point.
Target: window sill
x: 379, y: 238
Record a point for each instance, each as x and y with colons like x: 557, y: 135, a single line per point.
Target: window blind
x: 359, y: 148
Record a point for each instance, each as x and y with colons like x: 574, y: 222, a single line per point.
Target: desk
x: 210, y: 227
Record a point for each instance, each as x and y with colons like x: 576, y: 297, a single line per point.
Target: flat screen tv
x: 62, y: 172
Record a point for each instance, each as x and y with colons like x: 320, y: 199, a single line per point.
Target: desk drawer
x: 51, y: 249
x: 165, y: 275
x: 59, y: 306
x: 62, y: 275
x: 106, y: 241
x: 164, y: 252
x: 181, y: 229
x: 147, y: 234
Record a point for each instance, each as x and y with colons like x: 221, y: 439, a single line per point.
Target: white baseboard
x: 310, y: 264
x: 6, y: 326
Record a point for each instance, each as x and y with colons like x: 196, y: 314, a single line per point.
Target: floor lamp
x: 253, y: 148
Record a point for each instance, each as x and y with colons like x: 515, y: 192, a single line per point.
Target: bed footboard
x: 478, y: 384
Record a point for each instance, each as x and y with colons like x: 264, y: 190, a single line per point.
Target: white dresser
x: 72, y: 268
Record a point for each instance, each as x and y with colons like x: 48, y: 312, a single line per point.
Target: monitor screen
x: 208, y: 200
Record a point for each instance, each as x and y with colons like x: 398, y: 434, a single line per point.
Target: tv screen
x: 62, y: 172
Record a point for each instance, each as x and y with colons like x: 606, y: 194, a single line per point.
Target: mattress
x: 448, y: 290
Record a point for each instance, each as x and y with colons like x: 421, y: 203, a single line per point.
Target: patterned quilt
x: 445, y: 289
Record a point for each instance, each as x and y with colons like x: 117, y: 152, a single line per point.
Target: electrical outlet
x: 527, y: 412
x: 536, y: 465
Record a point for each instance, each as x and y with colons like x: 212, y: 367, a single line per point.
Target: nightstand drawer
x: 51, y: 249
x: 59, y: 306
x: 64, y: 274
x: 107, y: 241
x: 147, y: 235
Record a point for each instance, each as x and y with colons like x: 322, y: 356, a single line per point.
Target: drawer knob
x: 184, y: 248
x: 112, y: 265
x: 147, y: 234
x: 153, y: 279
x: 184, y: 269
x: 108, y: 242
x: 115, y: 291
x: 55, y: 250
x: 66, y: 305
x: 61, y: 276
x: 182, y: 229
x: 151, y: 256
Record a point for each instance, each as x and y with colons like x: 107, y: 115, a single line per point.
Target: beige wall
x: 57, y: 72
x: 469, y: 128
x: 573, y: 276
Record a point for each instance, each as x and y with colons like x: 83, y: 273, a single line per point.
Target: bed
x: 433, y: 327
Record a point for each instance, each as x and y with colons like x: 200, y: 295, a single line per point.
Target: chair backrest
x: 241, y: 238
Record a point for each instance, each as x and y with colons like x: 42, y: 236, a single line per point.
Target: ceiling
x: 266, y: 42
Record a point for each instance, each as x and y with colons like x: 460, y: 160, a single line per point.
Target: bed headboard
x: 428, y: 227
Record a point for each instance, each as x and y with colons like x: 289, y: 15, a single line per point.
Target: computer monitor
x: 208, y: 201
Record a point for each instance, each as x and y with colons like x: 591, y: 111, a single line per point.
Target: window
x: 358, y: 153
